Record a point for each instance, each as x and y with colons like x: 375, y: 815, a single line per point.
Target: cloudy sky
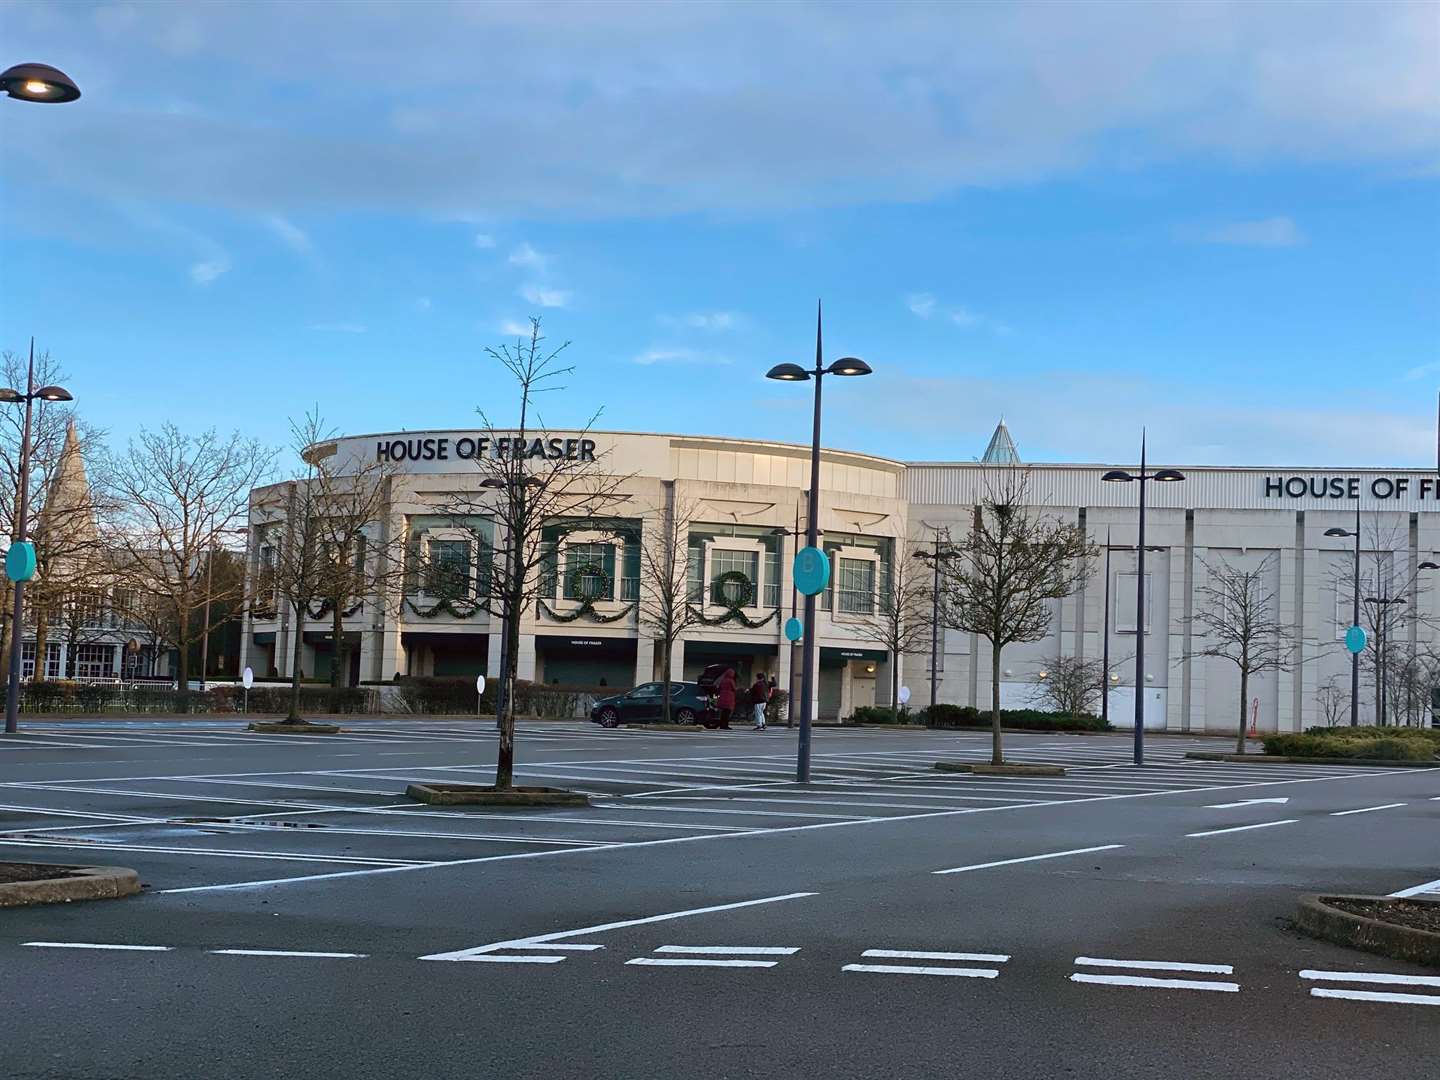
x: 1220, y: 220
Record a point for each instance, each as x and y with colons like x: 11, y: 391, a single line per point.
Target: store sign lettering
x: 482, y: 446
x: 1350, y: 487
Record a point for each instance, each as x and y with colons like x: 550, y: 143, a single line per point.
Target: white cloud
x: 703, y: 320
x: 339, y: 327
x: 965, y: 317
x: 528, y: 257
x: 422, y: 303
x: 678, y: 355
x: 1272, y: 232
x: 922, y: 304
x: 538, y: 294
x: 515, y: 328
x: 207, y: 270
x: 484, y: 240
x: 289, y: 234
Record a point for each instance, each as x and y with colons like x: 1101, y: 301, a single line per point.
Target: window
x: 86, y: 609
x: 27, y: 660
x: 122, y: 607
x: 630, y: 579
x: 95, y: 662
x: 855, y: 582
x: 724, y: 561
x: 589, y: 572
x: 649, y: 690
x: 447, y: 573
x: 695, y: 572
x: 772, y: 577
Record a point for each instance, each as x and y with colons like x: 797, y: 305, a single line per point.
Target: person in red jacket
x: 725, y: 696
x: 759, y: 695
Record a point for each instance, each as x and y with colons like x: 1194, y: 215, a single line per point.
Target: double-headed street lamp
x: 1121, y: 476
x: 941, y: 553
x: 847, y: 366
x: 1382, y: 659
x: 1354, y: 619
x: 22, y: 514
x: 1105, y: 643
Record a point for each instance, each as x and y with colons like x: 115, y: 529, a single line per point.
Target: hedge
x: 61, y: 696
x: 881, y: 714
x: 1327, y: 746
x: 1370, y: 731
x: 944, y: 715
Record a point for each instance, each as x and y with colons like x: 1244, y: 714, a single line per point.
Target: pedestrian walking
x: 759, y: 695
x: 725, y: 696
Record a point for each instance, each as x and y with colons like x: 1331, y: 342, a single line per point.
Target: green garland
x: 734, y: 607
x: 326, y: 607
x: 442, y: 606
x: 587, y: 602
x: 586, y: 608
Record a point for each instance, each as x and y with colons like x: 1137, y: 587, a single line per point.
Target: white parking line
x: 730, y: 950
x: 287, y: 952
x: 1244, y: 828
x: 89, y: 945
x: 1028, y: 858
x: 908, y: 969
x: 1371, y: 977
x: 1155, y: 965
x: 1417, y: 890
x: 909, y: 954
x: 1155, y: 984
x: 1376, y: 995
x: 1366, y: 809
x: 649, y: 961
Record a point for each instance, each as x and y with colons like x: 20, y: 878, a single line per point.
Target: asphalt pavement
x: 706, y: 916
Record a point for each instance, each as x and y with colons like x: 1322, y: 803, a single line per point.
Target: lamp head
x: 1168, y: 476
x: 38, y: 82
x: 11, y: 396
x: 1338, y: 532
x: 1427, y: 565
x: 788, y: 373
x: 849, y: 365
x: 1117, y: 476
x: 53, y: 393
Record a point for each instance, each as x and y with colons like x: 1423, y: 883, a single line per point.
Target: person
x: 725, y: 696
x: 759, y: 695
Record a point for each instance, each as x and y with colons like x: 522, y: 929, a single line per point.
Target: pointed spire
x: 1001, y: 450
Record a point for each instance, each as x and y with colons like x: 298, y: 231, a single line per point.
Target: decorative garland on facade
x: 734, y: 605
x: 573, y: 582
x: 326, y: 607
x: 442, y: 606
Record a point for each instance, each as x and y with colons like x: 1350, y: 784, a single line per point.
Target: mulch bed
x: 13, y: 872
x: 1415, y: 914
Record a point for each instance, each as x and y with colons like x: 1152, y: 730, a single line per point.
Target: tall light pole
x: 936, y: 557
x: 1354, y: 618
x: 44, y: 84
x: 1161, y: 476
x: 22, y: 515
x: 848, y: 366
x: 1105, y: 645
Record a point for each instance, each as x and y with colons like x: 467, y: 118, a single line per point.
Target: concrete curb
x: 1205, y: 755
x: 1000, y: 770
x: 264, y: 727
x: 1318, y: 919
x: 82, y: 883
x: 488, y: 795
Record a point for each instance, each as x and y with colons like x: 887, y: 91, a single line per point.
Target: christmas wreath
x: 734, y: 600
x: 589, y: 582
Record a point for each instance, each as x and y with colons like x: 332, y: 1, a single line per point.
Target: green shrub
x: 1328, y: 746
x: 944, y: 715
x: 881, y: 714
x: 952, y: 716
x: 1370, y: 731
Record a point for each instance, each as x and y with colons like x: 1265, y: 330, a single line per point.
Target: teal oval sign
x: 20, y: 561
x: 1356, y: 639
x: 794, y: 629
x: 812, y: 571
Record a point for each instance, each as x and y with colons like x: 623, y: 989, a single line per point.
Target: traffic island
x: 1000, y: 770
x: 286, y: 727
x: 489, y: 795
x: 47, y: 883
x: 1402, y: 929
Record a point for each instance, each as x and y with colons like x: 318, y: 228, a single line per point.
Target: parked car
x: 644, y: 704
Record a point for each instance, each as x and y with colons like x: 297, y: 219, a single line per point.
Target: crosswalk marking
x: 1149, y: 982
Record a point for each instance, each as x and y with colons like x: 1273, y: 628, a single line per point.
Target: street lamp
x: 1161, y: 476
x: 1355, y: 618
x: 1383, y: 603
x: 38, y: 82
x: 847, y: 366
x: 1105, y: 644
x: 936, y: 557
x: 22, y: 503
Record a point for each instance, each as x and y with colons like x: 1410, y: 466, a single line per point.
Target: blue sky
x: 1220, y: 220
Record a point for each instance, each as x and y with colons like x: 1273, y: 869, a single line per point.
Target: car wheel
x: 608, y: 717
x: 685, y: 716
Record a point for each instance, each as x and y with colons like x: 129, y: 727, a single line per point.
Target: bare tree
x: 529, y: 480
x: 1071, y: 684
x: 665, y: 609
x: 177, y: 496
x: 1005, y: 573
x: 902, y: 619
x: 1333, y: 701
x: 1237, y: 613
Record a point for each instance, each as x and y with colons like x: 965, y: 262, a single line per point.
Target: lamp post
x: 1161, y: 476
x: 847, y: 366
x: 1105, y: 644
x: 936, y: 557
x: 1354, y: 619
x: 22, y: 514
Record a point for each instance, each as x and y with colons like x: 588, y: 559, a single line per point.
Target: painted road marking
x: 1151, y: 983
x: 1366, y: 809
x: 1028, y: 858
x: 907, y: 954
x: 522, y: 943
x: 288, y: 952
x: 1377, y: 995
x: 1418, y: 890
x: 1155, y: 984
x: 1155, y: 965
x: 907, y: 969
x: 1371, y: 977
x: 1244, y: 828
x: 697, y: 962
x: 929, y: 969
x: 90, y: 945
x: 498, y: 959
x: 1243, y: 802
x: 730, y: 950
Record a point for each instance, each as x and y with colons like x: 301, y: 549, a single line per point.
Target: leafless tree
x: 177, y: 496
x: 665, y: 609
x: 1016, y: 559
x: 1237, y: 615
x: 529, y: 480
x: 902, y: 619
x: 1333, y: 701
x: 1072, y: 684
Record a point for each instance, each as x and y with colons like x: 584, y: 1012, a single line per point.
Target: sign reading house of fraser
x: 466, y: 447
x: 1350, y: 487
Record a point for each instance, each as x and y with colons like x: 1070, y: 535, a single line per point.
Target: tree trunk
x: 42, y: 643
x: 1244, y: 693
x: 339, y: 653
x: 894, y: 688
x: 296, y: 655
x: 997, y: 750
x: 505, y: 754
x: 665, y: 647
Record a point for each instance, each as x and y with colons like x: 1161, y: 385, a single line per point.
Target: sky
x: 1219, y: 221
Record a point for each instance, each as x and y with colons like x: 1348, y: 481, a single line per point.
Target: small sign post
x: 1356, y: 639
x: 812, y: 571
x: 794, y: 630
x: 479, y: 692
x: 247, y: 680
